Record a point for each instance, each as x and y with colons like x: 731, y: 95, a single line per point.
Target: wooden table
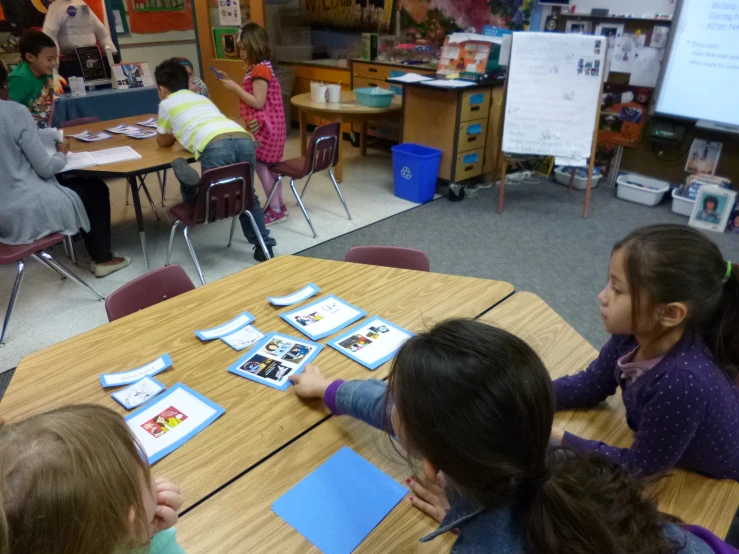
x: 347, y: 111
x: 693, y: 498
x: 153, y: 158
x: 259, y: 420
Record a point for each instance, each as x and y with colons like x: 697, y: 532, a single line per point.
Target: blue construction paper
x: 471, y: 158
x: 340, y: 503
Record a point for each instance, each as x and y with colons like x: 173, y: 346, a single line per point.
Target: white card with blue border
x: 275, y: 358
x: 372, y: 343
x: 134, y: 375
x: 298, y: 296
x: 323, y: 317
x: 227, y: 328
x: 170, y: 420
x: 138, y: 393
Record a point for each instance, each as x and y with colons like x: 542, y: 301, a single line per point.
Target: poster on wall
x: 623, y: 114
x: 146, y: 16
x: 358, y: 15
x: 229, y: 13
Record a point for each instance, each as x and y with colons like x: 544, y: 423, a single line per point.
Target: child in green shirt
x: 31, y: 83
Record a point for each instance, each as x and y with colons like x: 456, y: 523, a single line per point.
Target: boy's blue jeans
x: 226, y: 152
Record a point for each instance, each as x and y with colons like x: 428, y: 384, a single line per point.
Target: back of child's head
x: 253, y: 39
x: 675, y: 263
x: 71, y: 481
x: 33, y: 42
x: 171, y: 75
x: 476, y: 403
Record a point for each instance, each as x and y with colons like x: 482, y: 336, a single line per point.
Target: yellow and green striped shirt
x: 193, y: 120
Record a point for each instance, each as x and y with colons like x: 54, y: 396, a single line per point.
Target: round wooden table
x: 346, y: 111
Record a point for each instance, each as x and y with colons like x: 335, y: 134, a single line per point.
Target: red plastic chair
x: 36, y: 250
x: 225, y: 192
x: 389, y: 256
x: 322, y: 154
x: 147, y: 290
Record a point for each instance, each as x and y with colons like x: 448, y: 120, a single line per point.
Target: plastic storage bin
x: 640, y: 189
x: 374, y: 97
x: 415, y: 171
x: 563, y: 173
x: 682, y: 205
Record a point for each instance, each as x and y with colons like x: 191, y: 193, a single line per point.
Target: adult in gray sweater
x: 34, y: 205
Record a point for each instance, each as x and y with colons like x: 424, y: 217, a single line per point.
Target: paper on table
x: 87, y: 136
x: 448, y: 83
x: 298, y: 296
x: 411, y: 78
x: 320, y: 509
x: 371, y: 343
x: 151, y: 122
x: 323, y: 317
x: 138, y: 393
x: 124, y: 129
x: 50, y: 138
x: 554, y: 83
x: 645, y: 70
x: 78, y: 160
x: 242, y: 320
x: 143, y: 134
x: 243, y: 338
x: 113, y: 155
x: 128, y: 377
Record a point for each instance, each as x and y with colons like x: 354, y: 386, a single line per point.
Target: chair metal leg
x: 272, y: 194
x: 259, y: 235
x: 338, y: 191
x: 302, y: 208
x: 162, y: 177
x: 64, y: 271
x: 171, y: 240
x: 69, y: 249
x: 148, y: 195
x: 305, y: 186
x: 50, y: 267
x: 194, y: 257
x: 233, y: 226
x: 128, y: 195
x: 13, y: 298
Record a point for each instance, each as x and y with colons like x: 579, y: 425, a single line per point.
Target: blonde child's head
x: 253, y: 43
x: 73, y: 481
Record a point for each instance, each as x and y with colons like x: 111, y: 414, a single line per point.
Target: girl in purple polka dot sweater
x: 672, y: 306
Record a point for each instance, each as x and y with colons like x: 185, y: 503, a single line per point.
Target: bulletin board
x: 360, y: 15
x: 142, y: 18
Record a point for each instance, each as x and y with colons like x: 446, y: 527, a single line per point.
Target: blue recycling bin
x: 415, y: 171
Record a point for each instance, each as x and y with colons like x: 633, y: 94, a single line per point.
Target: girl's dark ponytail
x: 590, y: 505
x: 724, y: 334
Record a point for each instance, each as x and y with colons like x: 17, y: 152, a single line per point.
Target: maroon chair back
x: 323, y: 148
x: 224, y: 192
x: 147, y: 290
x: 80, y: 121
x: 389, y: 256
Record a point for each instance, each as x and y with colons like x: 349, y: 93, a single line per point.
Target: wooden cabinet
x: 463, y: 124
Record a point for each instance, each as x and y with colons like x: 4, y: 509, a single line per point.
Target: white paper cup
x: 319, y: 94
x: 334, y: 93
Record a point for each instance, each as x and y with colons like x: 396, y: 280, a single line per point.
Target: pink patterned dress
x: 271, y: 118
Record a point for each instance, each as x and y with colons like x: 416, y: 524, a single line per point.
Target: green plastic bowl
x: 374, y: 97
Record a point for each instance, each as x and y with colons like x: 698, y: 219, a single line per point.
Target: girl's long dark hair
x: 477, y: 403
x: 675, y: 263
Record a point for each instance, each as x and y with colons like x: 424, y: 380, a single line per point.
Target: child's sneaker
x: 271, y: 217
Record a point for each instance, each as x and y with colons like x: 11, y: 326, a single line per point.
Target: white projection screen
x: 700, y: 79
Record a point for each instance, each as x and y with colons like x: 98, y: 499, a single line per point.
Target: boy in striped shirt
x: 216, y: 141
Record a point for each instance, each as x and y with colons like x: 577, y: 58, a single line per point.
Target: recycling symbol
x: 406, y: 173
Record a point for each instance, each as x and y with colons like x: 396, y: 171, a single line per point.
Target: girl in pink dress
x: 260, y: 102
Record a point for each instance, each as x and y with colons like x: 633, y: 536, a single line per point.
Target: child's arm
x: 364, y: 400
x: 668, y: 425
x: 165, y: 138
x: 593, y: 385
x: 256, y: 100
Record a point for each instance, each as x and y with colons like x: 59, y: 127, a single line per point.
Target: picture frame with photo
x: 171, y: 419
x: 734, y: 221
x: 703, y: 156
x: 323, y: 317
x: 578, y: 27
x: 274, y: 358
x: 609, y: 30
x: 371, y: 343
x: 713, y: 207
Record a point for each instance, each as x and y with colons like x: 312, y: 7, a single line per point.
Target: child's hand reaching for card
x: 311, y: 383
x: 169, y: 502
